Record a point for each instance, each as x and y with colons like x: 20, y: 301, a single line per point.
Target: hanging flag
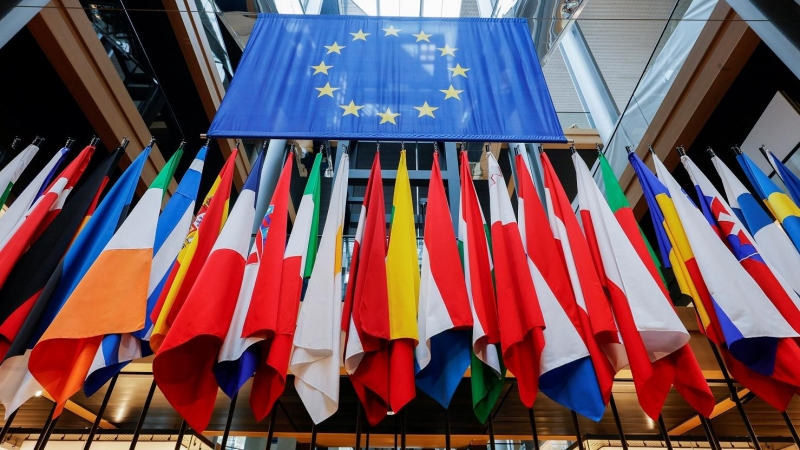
x: 773, y: 243
x: 445, y: 318
x: 117, y: 350
x: 779, y: 204
x: 655, y: 340
x: 743, y: 246
x: 100, y: 225
x: 17, y: 212
x: 42, y: 213
x: 402, y: 280
x: 11, y: 172
x: 113, y: 292
x: 365, y: 314
x: 622, y: 211
x: 29, y: 276
x: 272, y: 315
x: 790, y: 180
x: 567, y: 372
x: 522, y: 333
x: 674, y: 242
x: 487, y: 369
x: 184, y: 363
x: 587, y: 288
x: 196, y: 247
x: 317, y: 351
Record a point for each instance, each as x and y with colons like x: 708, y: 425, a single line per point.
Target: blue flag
x: 341, y: 77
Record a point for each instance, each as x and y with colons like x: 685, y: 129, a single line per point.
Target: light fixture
x: 390, y: 413
x: 38, y: 393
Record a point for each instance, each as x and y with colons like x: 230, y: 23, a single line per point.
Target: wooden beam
x: 82, y: 412
x: 721, y: 50
x: 69, y: 41
x: 192, y: 39
x: 721, y: 408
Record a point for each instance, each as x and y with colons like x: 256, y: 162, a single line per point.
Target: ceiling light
x: 38, y: 393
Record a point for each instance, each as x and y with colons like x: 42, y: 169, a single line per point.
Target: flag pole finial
x: 69, y: 143
x: 124, y: 143
x: 541, y: 149
x: 710, y: 152
x: 600, y: 147
x: 95, y: 140
x: 763, y: 150
x: 628, y: 149
x: 181, y: 145
x: 15, y: 142
x: 650, y: 147
x: 736, y: 150
x: 152, y: 141
x: 572, y: 149
x: 681, y: 151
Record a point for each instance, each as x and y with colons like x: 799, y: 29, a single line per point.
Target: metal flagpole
x: 710, y: 435
x: 403, y: 431
x: 47, y: 433
x: 492, y: 444
x: 664, y: 432
x: 366, y: 436
x: 272, y: 417
x: 228, y: 422
x: 619, y: 424
x: 143, y: 415
x: 313, y: 437
x: 358, y: 426
x: 577, y: 430
x: 735, y: 396
x: 395, y: 431
x: 534, y: 433
x: 45, y: 427
x: 785, y: 415
x: 181, y: 433
x: 100, y: 412
x: 7, y: 426
x: 447, y: 428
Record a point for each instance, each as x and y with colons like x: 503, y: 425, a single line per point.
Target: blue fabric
x: 450, y: 357
x: 274, y: 92
x: 755, y: 218
x: 651, y: 186
x: 574, y: 385
x: 789, y: 179
x: 53, y: 172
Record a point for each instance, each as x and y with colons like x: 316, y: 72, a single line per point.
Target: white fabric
x: 434, y: 318
x: 317, y: 353
x: 17, y: 385
x: 354, y: 350
x: 11, y: 172
x: 729, y: 284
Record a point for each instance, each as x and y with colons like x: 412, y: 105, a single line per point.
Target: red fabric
x: 367, y: 303
x: 14, y: 322
x: 43, y: 212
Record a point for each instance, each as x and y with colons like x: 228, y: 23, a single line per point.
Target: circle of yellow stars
x: 388, y: 116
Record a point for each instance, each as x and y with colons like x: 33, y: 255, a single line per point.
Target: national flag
x: 674, y: 242
x: 365, y: 314
x: 567, y: 372
x: 11, y: 172
x: 773, y: 243
x: 184, y: 363
x: 522, y: 333
x: 113, y: 293
x: 18, y: 383
x: 587, y: 287
x: 17, y: 212
x: 317, y: 351
x: 655, y: 340
x: 117, y: 350
x: 445, y: 319
x: 272, y: 315
x: 790, y: 180
x: 487, y: 369
x: 195, y: 250
x: 42, y: 213
x: 622, y: 211
x: 29, y: 276
x: 743, y: 246
x: 779, y: 204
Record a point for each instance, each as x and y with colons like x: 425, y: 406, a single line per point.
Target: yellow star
x: 388, y: 116
x: 458, y: 70
x: 426, y: 110
x: 447, y: 50
x: 391, y: 31
x: 422, y: 36
x: 322, y: 68
x: 328, y: 90
x: 451, y: 92
x: 352, y: 108
x: 334, y: 48
x: 360, y: 36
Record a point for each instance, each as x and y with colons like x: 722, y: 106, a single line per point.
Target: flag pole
x: 228, y: 422
x: 313, y: 437
x: 272, y: 415
x: 618, y: 422
x: 403, y: 431
x: 447, y: 428
x: 7, y: 426
x: 45, y: 427
x: 96, y: 424
x: 181, y: 433
x: 534, y: 433
x: 142, y: 416
x: 358, y: 426
x: 577, y: 430
x: 47, y: 433
x: 664, y: 432
x: 786, y: 418
x: 395, y: 431
x: 492, y: 444
x: 710, y: 434
x: 366, y: 437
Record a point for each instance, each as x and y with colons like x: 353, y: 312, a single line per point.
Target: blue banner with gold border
x: 355, y: 77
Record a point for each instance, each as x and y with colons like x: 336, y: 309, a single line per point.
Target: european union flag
x: 355, y: 77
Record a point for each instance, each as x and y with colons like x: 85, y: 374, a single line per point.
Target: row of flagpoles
x: 89, y: 285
